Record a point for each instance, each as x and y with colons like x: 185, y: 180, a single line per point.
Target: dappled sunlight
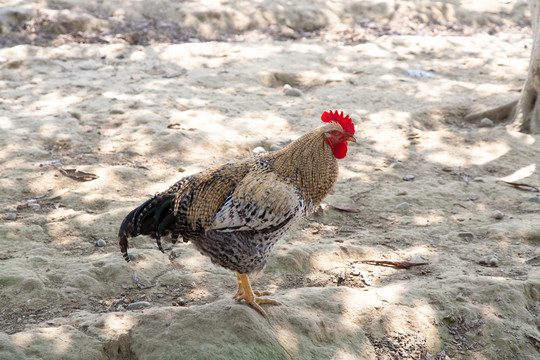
x: 439, y: 147
x: 53, y: 102
x: 391, y: 293
x: 433, y: 218
x: 193, y: 261
x: 116, y: 324
x: 6, y: 123
x: 520, y: 174
x: 60, y: 340
x: 23, y: 339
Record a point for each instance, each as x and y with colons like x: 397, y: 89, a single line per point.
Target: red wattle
x: 339, y: 149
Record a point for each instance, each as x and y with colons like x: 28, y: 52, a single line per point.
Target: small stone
x: 419, y: 73
x: 12, y: 209
x: 120, y: 308
x: 497, y: 214
x: 116, y: 110
x: 466, y: 235
x: 397, y: 165
x: 34, y: 206
x: 180, y: 301
x: 489, y: 260
x: 535, y: 199
x: 334, y: 78
x: 402, y: 206
x: 101, y: 243
x: 486, y: 122
x: 355, y: 272
x: 408, y: 177
x: 460, y: 297
x: 138, y: 305
x: 275, y: 147
x: 293, y: 92
x: 478, y: 179
x: 11, y: 216
x: 259, y: 150
x: 181, y: 169
x: 402, y: 193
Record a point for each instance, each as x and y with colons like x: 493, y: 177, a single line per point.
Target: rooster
x: 235, y: 213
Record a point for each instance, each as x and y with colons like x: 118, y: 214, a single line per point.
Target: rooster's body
x: 235, y: 213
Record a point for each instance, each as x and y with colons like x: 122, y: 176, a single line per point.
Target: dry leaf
x: 344, y: 208
x: 78, y: 175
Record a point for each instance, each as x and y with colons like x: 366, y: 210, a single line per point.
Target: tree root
x: 497, y: 114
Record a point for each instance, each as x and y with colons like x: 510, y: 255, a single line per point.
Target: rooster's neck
x: 309, y: 164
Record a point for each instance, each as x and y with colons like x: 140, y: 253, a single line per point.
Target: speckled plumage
x: 236, y: 212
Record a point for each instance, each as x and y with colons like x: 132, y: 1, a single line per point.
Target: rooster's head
x: 342, y: 132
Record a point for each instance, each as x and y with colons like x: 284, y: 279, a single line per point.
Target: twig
x: 521, y: 186
x: 399, y: 264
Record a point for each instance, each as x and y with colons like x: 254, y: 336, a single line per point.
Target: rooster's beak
x: 351, y: 138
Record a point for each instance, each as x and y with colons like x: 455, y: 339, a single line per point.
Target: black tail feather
x: 153, y: 218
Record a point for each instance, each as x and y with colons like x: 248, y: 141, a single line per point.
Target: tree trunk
x: 524, y: 114
x: 527, y: 115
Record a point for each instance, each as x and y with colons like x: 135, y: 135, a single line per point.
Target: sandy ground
x: 142, y: 116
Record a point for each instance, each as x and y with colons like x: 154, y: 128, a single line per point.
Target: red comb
x: 345, y: 121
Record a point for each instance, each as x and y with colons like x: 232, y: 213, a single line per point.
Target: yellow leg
x: 251, y: 297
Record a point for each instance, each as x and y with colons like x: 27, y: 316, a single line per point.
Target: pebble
x: 11, y: 216
x: 397, y: 164
x: 535, y: 199
x: 497, y: 214
x: 101, y: 243
x: 478, y: 179
x: 419, y: 73
x: 293, y: 92
x: 466, y: 235
x: 489, y: 260
x: 120, y: 308
x: 402, y: 206
x: 34, y: 206
x: 334, y: 78
x: 116, y: 110
x: 259, y: 150
x: 486, y: 122
x: 408, y: 177
x: 138, y: 305
x: 275, y: 147
x: 180, y: 301
x: 355, y: 272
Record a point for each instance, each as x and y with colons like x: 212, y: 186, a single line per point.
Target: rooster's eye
x: 335, y: 132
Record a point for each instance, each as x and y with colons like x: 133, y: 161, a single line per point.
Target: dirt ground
x: 137, y: 94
